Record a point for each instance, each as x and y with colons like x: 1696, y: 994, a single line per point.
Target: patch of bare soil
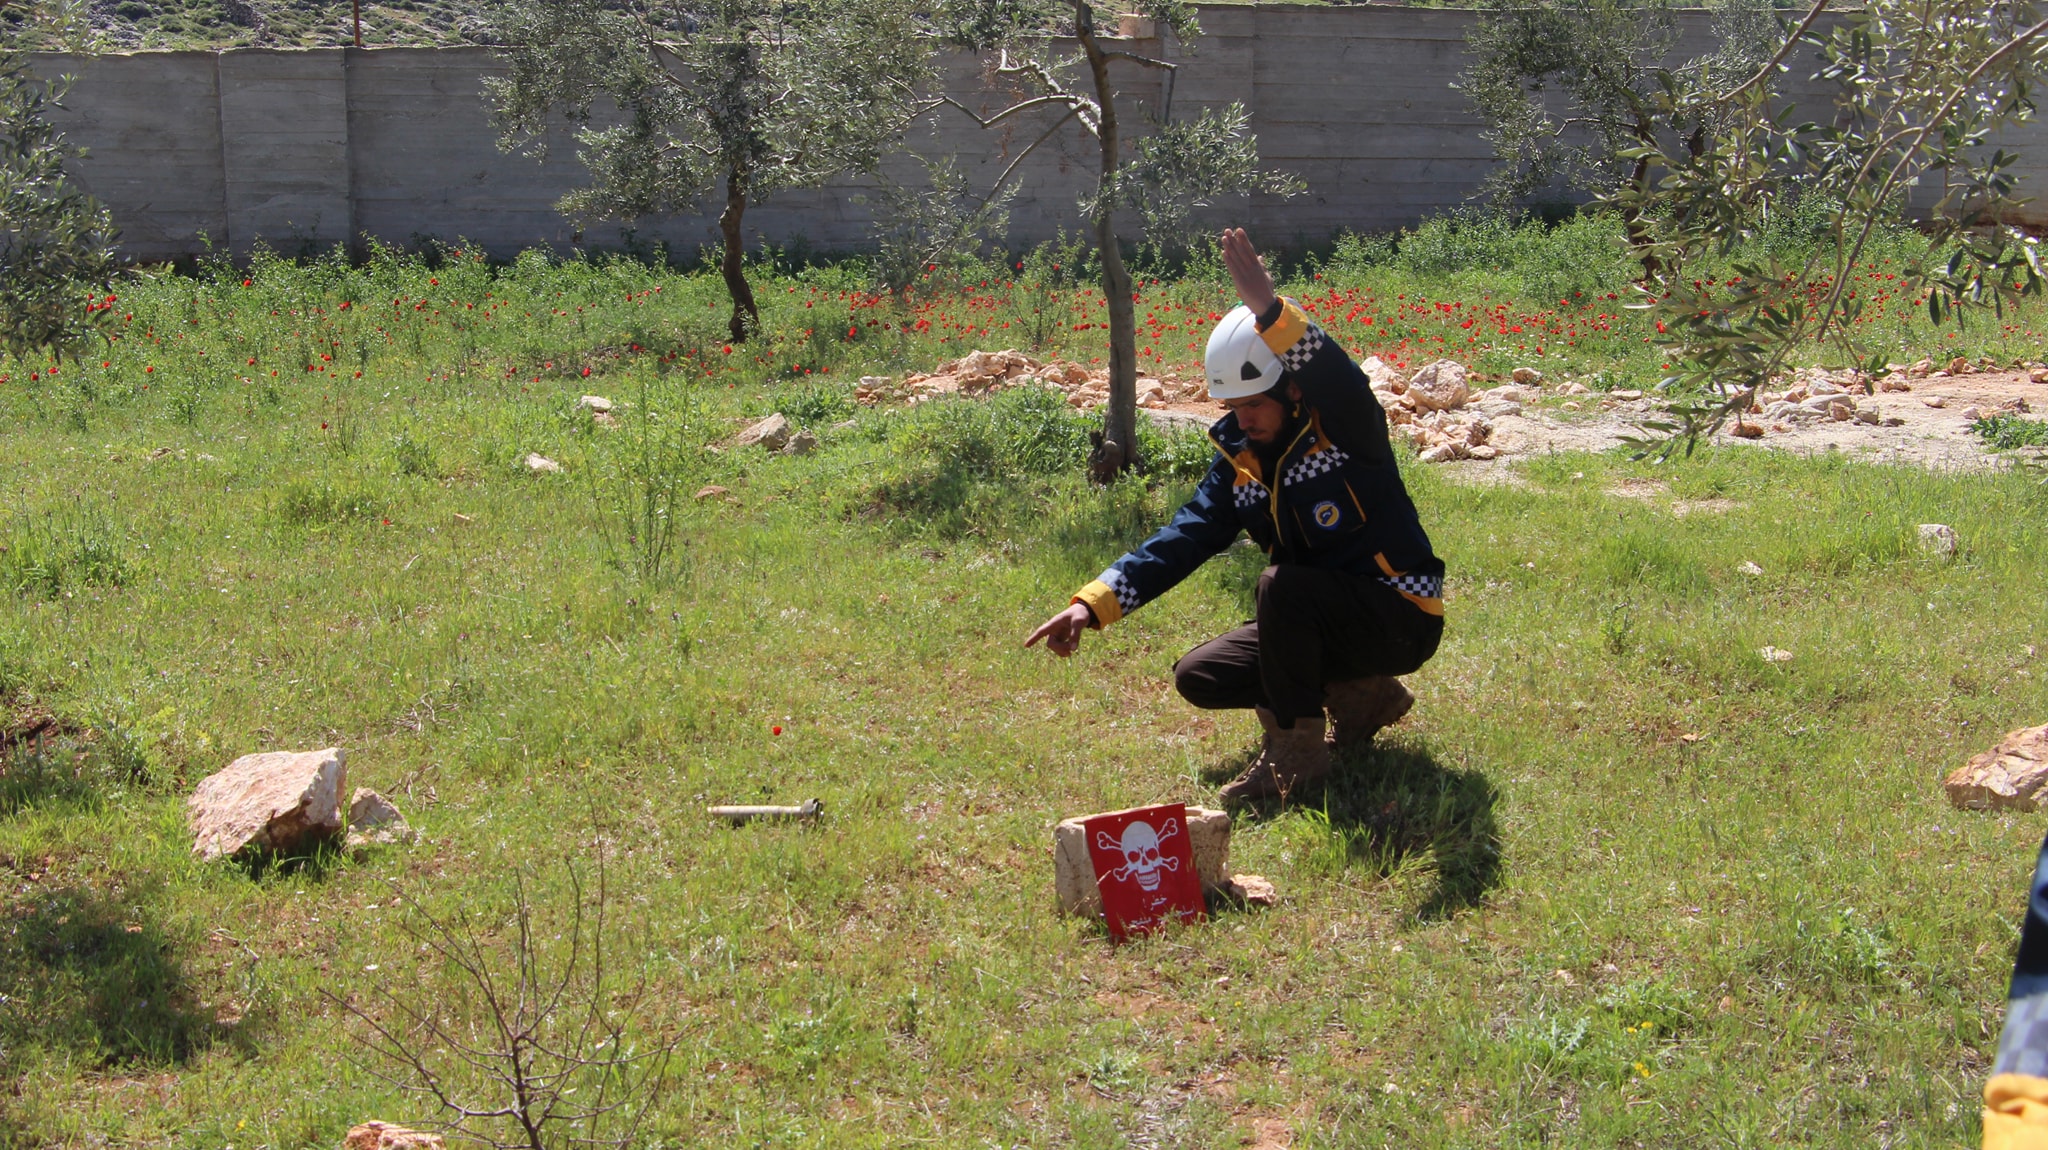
x: 1928, y: 426
x: 31, y: 729
x: 1916, y: 415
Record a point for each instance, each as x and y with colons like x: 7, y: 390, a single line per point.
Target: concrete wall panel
x: 285, y: 147
x: 329, y: 145
x: 152, y: 134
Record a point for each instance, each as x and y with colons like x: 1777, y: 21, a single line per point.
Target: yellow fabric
x: 1287, y: 330
x: 1435, y: 606
x: 1102, y: 601
x: 2016, y: 1113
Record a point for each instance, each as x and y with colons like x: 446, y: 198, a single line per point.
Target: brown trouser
x: 1314, y: 627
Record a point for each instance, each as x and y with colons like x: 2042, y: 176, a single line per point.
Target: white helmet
x: 1239, y: 363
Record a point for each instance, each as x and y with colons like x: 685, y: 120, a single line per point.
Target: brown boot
x: 1360, y: 707
x: 1289, y: 758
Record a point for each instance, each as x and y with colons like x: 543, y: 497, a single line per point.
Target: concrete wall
x: 323, y: 146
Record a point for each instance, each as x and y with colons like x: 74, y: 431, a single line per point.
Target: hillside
x: 137, y: 25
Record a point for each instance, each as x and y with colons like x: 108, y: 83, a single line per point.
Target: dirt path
x: 1924, y: 419
x: 1937, y: 438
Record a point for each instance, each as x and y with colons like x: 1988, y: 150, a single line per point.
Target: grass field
x: 1618, y: 880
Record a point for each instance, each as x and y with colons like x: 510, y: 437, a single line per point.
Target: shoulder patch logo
x: 1327, y: 515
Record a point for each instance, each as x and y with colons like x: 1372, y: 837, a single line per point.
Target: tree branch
x: 1072, y: 102
x: 1147, y: 61
x: 1784, y: 50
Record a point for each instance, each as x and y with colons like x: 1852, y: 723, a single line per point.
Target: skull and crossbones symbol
x: 1140, y: 848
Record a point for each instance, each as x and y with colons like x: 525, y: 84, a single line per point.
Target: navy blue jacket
x: 1333, y: 497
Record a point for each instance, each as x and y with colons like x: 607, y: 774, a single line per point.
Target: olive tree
x: 56, y: 242
x: 1572, y: 91
x: 1920, y: 92
x: 1056, y: 56
x: 672, y: 100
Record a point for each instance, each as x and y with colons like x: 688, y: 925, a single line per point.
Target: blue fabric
x: 2023, y: 1045
x: 1332, y: 499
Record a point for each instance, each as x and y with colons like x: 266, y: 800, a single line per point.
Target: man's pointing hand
x: 1062, y: 632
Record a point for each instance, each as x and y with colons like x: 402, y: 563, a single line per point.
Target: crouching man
x: 1354, y: 594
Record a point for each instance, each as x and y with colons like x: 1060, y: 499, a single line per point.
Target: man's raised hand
x: 1248, y: 272
x: 1062, y: 632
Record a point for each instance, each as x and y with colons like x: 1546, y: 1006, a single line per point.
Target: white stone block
x: 1074, y: 872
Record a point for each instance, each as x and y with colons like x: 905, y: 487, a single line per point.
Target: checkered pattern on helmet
x: 1297, y: 357
x: 1126, y: 595
x: 1313, y: 464
x: 1422, y: 586
x: 1251, y: 494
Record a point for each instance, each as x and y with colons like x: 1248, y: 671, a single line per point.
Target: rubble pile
x: 1815, y: 394
x: 981, y: 372
x: 1437, y: 411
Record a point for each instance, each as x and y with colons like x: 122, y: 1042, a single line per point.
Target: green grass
x: 1617, y: 881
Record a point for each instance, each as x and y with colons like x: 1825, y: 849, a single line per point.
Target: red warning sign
x: 1145, y: 868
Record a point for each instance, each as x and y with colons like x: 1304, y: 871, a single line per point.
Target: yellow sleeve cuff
x: 2016, y: 1113
x: 1287, y: 330
x: 1101, y: 600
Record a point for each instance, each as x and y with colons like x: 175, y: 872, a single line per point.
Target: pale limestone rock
x: 1625, y: 393
x: 595, y: 404
x: 1750, y: 568
x: 1484, y: 451
x: 1528, y: 375
x: 802, y: 443
x: 1774, y: 655
x: 1251, y: 890
x: 1440, y: 386
x: 1970, y: 414
x: 1382, y: 374
x: 1074, y: 873
x: 771, y: 433
x: 1574, y: 387
x: 1894, y: 382
x: 385, y: 1136
x: 540, y: 464
x: 1960, y: 365
x: 1938, y: 539
x: 373, y: 819
x: 2009, y: 775
x: 1934, y: 400
x: 1921, y: 369
x: 274, y: 801
x: 2038, y: 375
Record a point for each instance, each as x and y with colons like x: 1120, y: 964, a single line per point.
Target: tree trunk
x: 1117, y: 450
x: 1632, y: 223
x: 745, y: 315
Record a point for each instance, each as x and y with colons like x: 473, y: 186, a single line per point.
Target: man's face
x: 1261, y: 416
